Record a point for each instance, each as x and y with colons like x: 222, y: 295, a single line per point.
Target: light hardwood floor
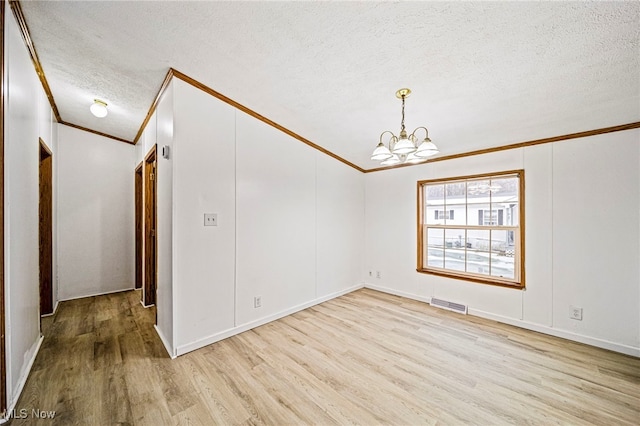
x: 365, y: 358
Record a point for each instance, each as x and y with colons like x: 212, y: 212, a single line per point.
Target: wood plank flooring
x: 365, y: 358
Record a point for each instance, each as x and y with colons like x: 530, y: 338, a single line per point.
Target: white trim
x: 183, y: 349
x: 55, y: 309
x: 397, y: 293
x: 23, y: 378
x: 97, y: 294
x: 166, y: 344
x: 580, y: 338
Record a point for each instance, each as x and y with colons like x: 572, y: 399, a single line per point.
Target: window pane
x: 479, y: 214
x: 502, y: 254
x: 456, y: 214
x: 478, y: 251
x: 505, y: 188
x: 435, y: 215
x: 454, y: 251
x: 434, y: 194
x: 478, y: 191
x: 504, y: 197
x: 435, y: 247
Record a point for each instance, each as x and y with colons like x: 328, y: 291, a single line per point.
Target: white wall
x: 276, y: 253
x: 95, y: 214
x: 27, y: 118
x: 290, y: 226
x: 578, y: 193
x: 160, y: 131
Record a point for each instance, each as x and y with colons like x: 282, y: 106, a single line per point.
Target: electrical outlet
x: 575, y: 313
x: 210, y: 219
x: 257, y: 302
x: 378, y: 274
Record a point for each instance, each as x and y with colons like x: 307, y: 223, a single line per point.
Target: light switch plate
x: 210, y: 219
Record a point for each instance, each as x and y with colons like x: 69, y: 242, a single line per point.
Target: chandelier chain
x: 402, y: 122
x: 404, y: 148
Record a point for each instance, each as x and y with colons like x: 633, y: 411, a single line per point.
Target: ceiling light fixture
x: 404, y: 149
x: 99, y: 108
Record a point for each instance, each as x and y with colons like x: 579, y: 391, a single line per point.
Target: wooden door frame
x: 46, y: 294
x: 139, y: 224
x: 150, y: 239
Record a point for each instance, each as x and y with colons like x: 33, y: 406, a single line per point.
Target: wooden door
x: 150, y: 168
x: 139, y: 220
x: 46, y: 230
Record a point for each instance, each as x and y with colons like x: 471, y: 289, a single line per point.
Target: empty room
x: 319, y: 212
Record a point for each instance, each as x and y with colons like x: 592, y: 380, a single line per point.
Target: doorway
x: 150, y: 219
x: 139, y: 220
x: 46, y: 229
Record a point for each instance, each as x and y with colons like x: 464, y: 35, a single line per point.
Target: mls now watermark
x: 23, y: 413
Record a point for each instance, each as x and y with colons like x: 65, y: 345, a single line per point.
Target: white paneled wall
x: 267, y: 190
x: 595, y: 236
x: 21, y: 152
x: 582, y: 239
x: 276, y: 179
x: 203, y: 156
x: 96, y: 205
x: 339, y: 225
x: 163, y: 119
x: 28, y: 117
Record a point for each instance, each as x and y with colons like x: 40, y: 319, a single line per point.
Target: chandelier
x: 404, y: 149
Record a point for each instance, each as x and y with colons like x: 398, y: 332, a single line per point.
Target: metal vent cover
x: 449, y: 306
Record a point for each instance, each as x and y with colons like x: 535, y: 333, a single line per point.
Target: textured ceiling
x: 483, y: 74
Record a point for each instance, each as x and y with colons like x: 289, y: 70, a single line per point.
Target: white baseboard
x: 564, y: 334
x: 592, y: 341
x: 97, y: 294
x: 165, y: 342
x: 397, y: 293
x: 183, y: 349
x: 24, y: 375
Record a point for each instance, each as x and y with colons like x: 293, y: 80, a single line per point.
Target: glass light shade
x: 426, y: 149
x: 381, y: 153
x: 413, y: 159
x: 99, y: 109
x: 394, y: 159
x: 404, y: 146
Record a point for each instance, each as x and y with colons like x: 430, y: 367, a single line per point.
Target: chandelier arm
x: 418, y: 128
x: 387, y: 131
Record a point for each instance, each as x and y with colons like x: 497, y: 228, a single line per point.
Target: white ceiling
x: 483, y: 74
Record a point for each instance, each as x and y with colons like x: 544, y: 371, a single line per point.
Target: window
x: 444, y: 214
x: 471, y: 228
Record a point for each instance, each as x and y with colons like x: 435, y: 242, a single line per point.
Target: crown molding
x: 594, y: 132
x: 198, y: 85
x: 26, y: 36
x: 24, y: 30
x: 154, y: 104
x: 95, y: 132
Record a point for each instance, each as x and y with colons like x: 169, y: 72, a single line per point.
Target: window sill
x: 489, y: 280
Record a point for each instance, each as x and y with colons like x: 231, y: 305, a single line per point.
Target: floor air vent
x: 449, y: 306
